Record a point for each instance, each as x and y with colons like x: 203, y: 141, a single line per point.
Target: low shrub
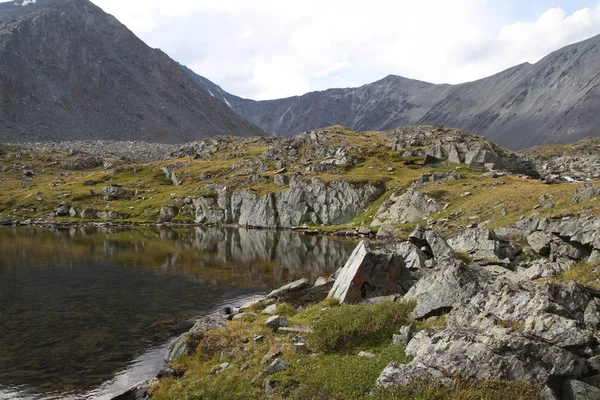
x: 349, y: 326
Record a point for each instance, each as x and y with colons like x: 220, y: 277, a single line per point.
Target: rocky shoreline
x: 507, y: 316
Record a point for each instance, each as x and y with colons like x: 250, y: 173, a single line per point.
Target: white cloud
x: 270, y: 48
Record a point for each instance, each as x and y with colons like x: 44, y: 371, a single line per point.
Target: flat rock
x: 404, y: 374
x: 289, y: 289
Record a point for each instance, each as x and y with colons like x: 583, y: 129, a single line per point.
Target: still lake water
x: 85, y: 312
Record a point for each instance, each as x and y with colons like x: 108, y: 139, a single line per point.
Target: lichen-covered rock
x: 458, y: 147
x: 82, y: 162
x: 116, y: 192
x: 577, y: 390
x: 372, y: 270
x: 62, y: 209
x: 540, y: 242
x: 484, y: 247
x: 89, y: 213
x: 401, y: 209
x: 275, y: 322
x: 575, y: 239
x: 553, y: 313
x: 185, y: 343
x: 111, y: 215
x: 405, y: 334
x: 449, y: 282
x: 480, y: 356
x: 167, y: 213
x: 586, y: 192
x: 405, y: 374
x: 543, y: 268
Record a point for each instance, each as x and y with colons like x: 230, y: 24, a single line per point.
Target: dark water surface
x: 85, y: 312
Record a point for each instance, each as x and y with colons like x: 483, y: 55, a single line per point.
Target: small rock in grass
x: 258, y: 338
x: 276, y: 366
x: 301, y: 347
x: 366, y: 354
x: 272, y: 309
x: 275, y: 322
x: 221, y: 368
x: 273, y: 352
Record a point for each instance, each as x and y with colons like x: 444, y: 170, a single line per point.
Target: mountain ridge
x: 69, y: 71
x: 551, y: 101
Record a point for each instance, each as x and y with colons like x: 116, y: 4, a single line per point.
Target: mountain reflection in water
x: 78, y: 305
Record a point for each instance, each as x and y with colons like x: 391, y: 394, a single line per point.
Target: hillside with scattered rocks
x: 478, y: 273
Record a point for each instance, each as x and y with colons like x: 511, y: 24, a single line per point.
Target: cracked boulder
x: 484, y: 247
x: 372, y: 270
x: 448, y: 283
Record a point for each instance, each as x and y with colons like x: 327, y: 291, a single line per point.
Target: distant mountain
x: 553, y: 101
x: 70, y: 71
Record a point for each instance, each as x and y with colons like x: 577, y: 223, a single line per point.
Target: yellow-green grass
x: 336, y: 373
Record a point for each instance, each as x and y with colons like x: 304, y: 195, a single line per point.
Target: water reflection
x: 77, y: 305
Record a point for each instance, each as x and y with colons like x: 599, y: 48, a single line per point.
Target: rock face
x: 553, y: 101
x: 481, y: 356
x: 371, y: 271
x: 458, y: 147
x: 69, y: 64
x: 506, y: 331
x: 312, y: 202
x: 578, y: 161
x: 484, y: 247
x: 448, y: 283
x: 401, y: 209
x: 569, y: 239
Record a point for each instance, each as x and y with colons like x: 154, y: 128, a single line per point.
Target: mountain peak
x: 70, y: 71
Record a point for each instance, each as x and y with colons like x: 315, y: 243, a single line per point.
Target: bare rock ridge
x: 552, y: 101
x: 70, y: 71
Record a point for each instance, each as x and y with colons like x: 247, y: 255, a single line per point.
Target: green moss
x: 464, y: 257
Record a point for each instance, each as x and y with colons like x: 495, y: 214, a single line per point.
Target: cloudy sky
x: 265, y: 49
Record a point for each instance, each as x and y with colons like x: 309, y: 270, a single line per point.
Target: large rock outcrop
x: 376, y: 270
x: 564, y: 239
x: 314, y: 202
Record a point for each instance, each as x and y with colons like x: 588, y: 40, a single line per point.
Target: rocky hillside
x: 485, y: 283
x: 332, y: 179
x: 70, y: 71
x: 579, y: 161
x: 552, y: 101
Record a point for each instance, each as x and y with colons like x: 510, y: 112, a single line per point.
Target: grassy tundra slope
x: 37, y: 182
